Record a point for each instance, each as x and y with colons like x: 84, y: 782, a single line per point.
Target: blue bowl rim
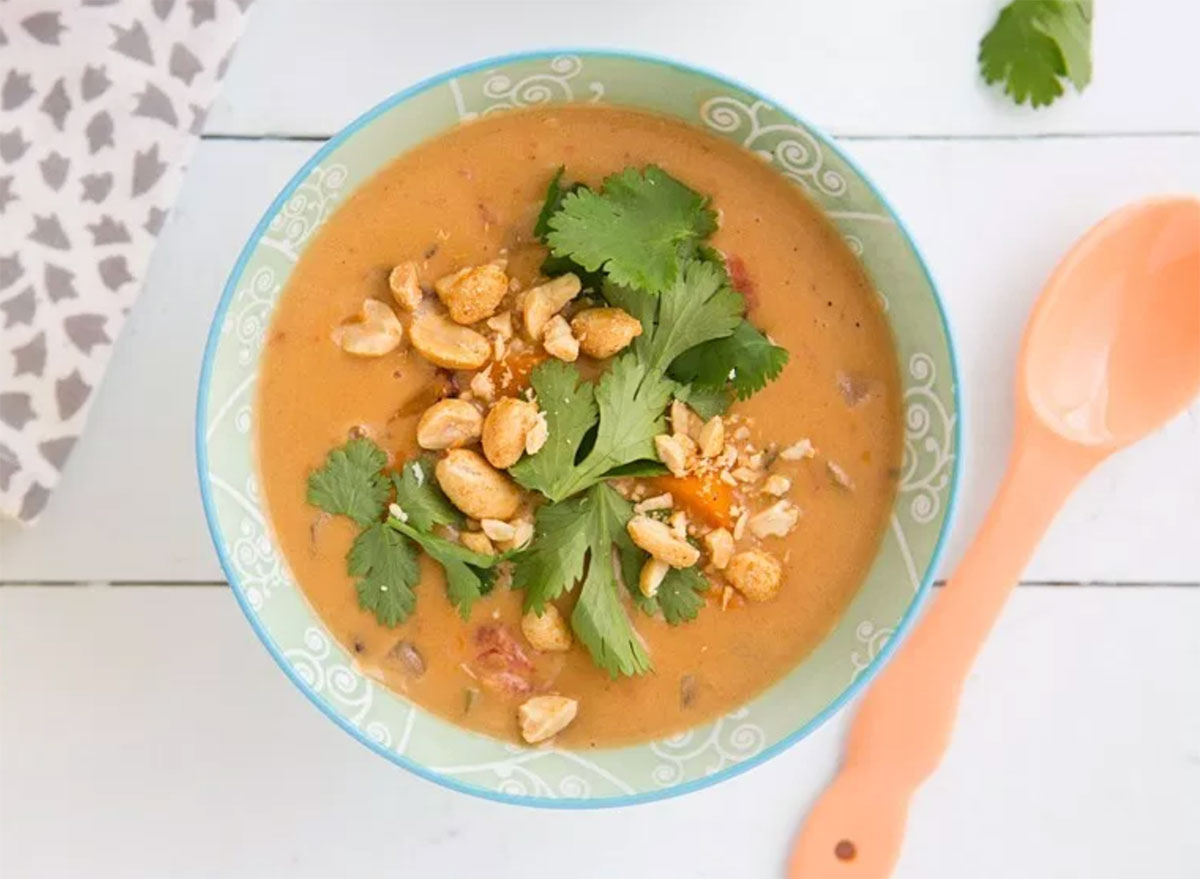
x: 852, y: 690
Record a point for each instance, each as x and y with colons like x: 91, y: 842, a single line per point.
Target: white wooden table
x: 144, y: 732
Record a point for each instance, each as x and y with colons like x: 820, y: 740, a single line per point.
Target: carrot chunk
x: 704, y: 496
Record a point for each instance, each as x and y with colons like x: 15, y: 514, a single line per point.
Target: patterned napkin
x: 100, y: 103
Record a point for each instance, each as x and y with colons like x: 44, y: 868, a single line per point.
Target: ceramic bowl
x: 427, y: 745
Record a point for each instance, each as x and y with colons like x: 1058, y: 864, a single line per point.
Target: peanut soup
x: 579, y: 424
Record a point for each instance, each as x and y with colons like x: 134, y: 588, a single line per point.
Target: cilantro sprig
x: 383, y: 558
x: 1034, y: 45
x: 350, y: 483
x: 574, y: 542
x: 636, y: 228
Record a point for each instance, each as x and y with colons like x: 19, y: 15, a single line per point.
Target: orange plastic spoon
x: 1111, y: 352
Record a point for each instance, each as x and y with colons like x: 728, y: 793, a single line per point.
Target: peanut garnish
x: 660, y: 541
x: 798, y: 451
x: 777, y: 485
x: 602, y: 332
x: 472, y: 294
x: 755, y: 574
x: 448, y: 424
x: 672, y: 454
x: 448, y: 345
x: 375, y: 332
x: 548, y: 631
x: 403, y: 283
x: 558, y: 340
x: 712, y: 437
x: 719, y: 543
x: 477, y: 541
x: 544, y: 716
x: 546, y: 300
x: 653, y: 572
x: 776, y: 520
x: 506, y: 430
x: 475, y: 487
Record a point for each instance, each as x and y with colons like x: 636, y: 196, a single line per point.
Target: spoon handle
x: 903, y: 726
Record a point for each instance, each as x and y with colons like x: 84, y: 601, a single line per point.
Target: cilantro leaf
x: 386, y: 567
x: 420, y: 497
x: 469, y: 574
x: 1035, y: 43
x: 350, y: 482
x: 637, y: 228
x: 632, y: 404
x: 556, y: 556
x: 570, y: 406
x: 681, y: 595
x: 705, y: 402
x: 745, y: 359
x: 553, y: 265
x: 574, y: 541
x: 699, y: 306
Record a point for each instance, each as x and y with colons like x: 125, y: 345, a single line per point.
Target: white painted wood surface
x: 157, y: 741
x: 144, y: 733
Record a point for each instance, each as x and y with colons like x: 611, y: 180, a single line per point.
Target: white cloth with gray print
x: 100, y: 103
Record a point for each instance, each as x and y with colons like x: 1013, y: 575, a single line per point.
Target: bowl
x: 427, y: 745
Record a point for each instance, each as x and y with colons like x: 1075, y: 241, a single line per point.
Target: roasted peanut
x: 374, y: 332
x: 672, y: 454
x: 798, y: 451
x: 544, y: 716
x: 776, y: 520
x: 755, y: 574
x: 475, y: 487
x: 653, y: 572
x: 547, y: 632
x: 500, y: 532
x: 558, y: 341
x: 777, y: 485
x: 712, y: 437
x: 546, y: 300
x: 404, y: 286
x: 472, y: 294
x: 506, y: 429
x: 482, y: 385
x: 448, y: 424
x: 538, y: 434
x: 660, y: 541
x: 719, y: 543
x: 477, y: 541
x: 501, y: 324
x: 662, y: 501
x: 602, y: 332
x: 683, y: 420
x: 448, y: 345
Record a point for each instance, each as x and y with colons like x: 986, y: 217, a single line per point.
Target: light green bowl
x: 428, y: 745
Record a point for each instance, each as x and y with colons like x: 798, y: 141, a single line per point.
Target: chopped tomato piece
x: 741, y: 280
x: 705, y: 496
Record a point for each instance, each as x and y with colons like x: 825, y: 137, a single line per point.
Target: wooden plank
x: 1075, y: 755
x: 992, y: 217
x: 310, y: 66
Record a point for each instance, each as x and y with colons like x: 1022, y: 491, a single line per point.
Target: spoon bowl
x: 1111, y: 352
x: 1113, y: 347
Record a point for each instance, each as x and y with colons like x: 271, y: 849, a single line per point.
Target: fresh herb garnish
x: 383, y: 559
x: 681, y: 595
x: 595, y: 430
x: 1034, y: 44
x: 469, y: 575
x: 386, y: 569
x: 574, y: 540
x: 745, y: 360
x: 420, y: 498
x: 636, y: 228
x: 350, y: 482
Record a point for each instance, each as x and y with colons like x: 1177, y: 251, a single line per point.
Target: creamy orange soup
x: 472, y: 195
